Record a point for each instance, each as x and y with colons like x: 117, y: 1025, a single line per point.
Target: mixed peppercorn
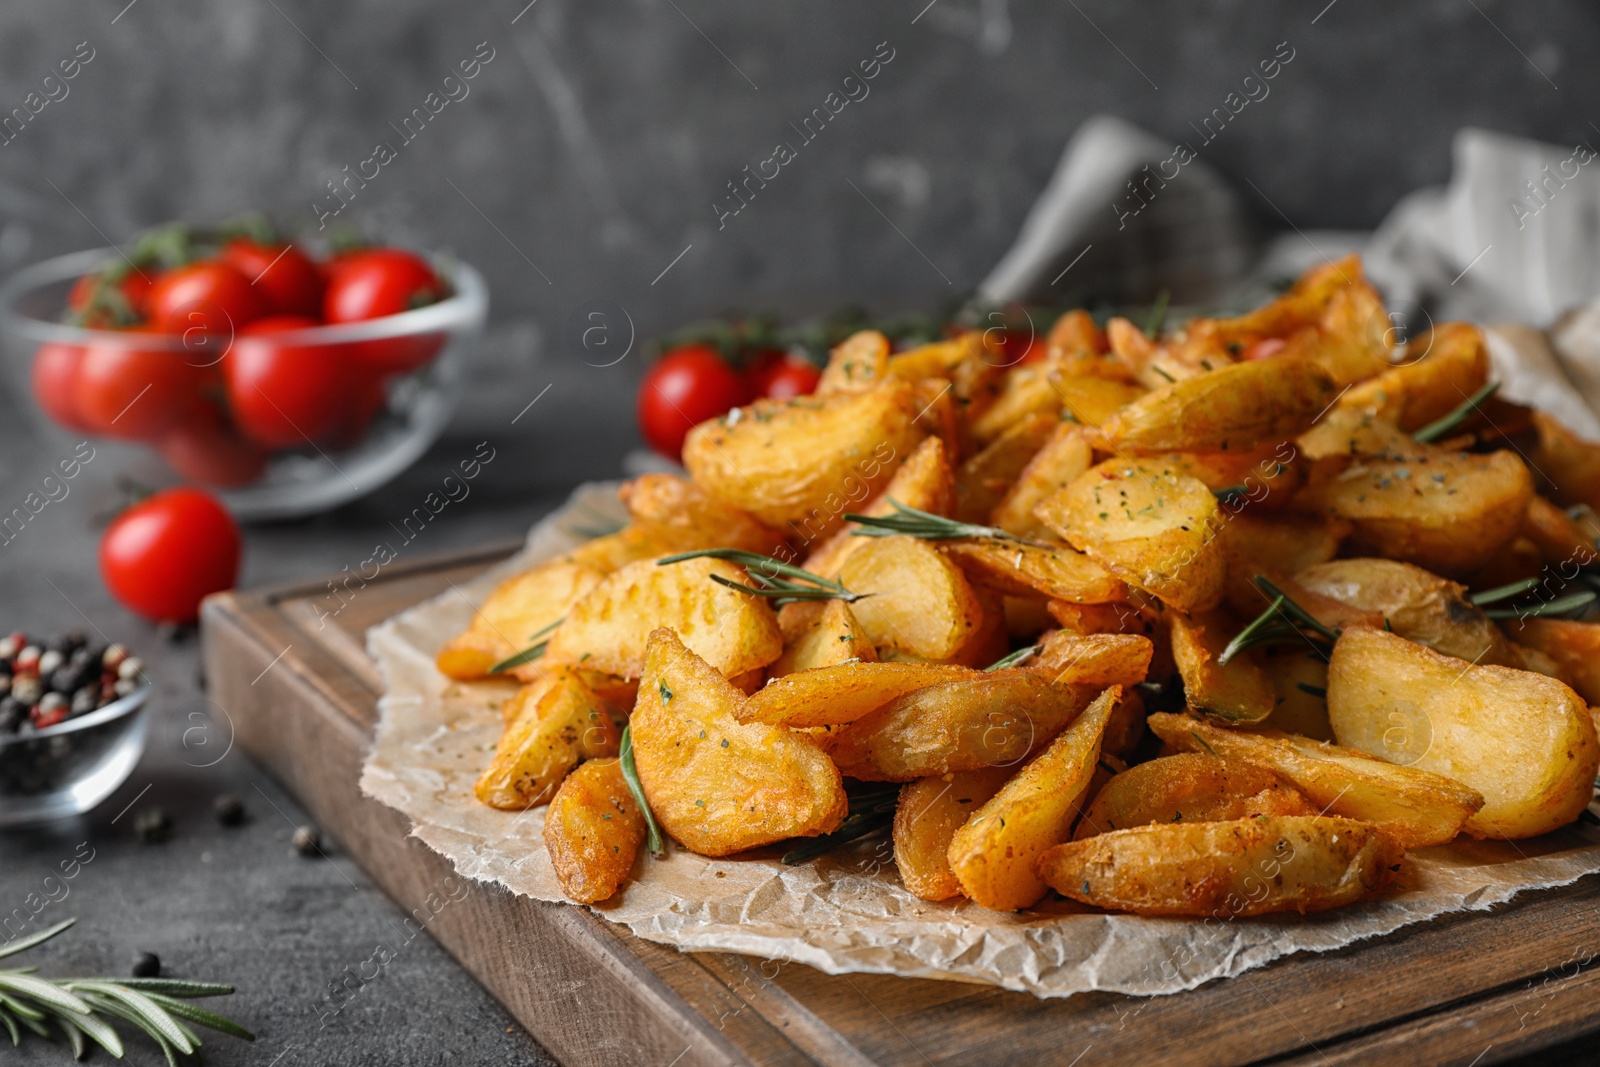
x: 43, y: 683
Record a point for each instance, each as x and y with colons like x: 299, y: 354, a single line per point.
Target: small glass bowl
x: 313, y: 477
x: 68, y: 768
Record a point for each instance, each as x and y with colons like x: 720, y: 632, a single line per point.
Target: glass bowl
x: 411, y: 409
x: 68, y: 768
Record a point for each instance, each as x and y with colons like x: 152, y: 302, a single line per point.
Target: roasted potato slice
x: 608, y: 628
x: 1235, y: 692
x: 994, y: 853
x: 1064, y: 457
x: 1563, y: 542
x: 1240, y: 867
x: 717, y: 785
x: 915, y: 599
x: 983, y: 481
x: 929, y: 812
x: 1273, y: 546
x: 925, y: 482
x: 936, y: 359
x: 1058, y: 572
x: 1189, y: 787
x: 1075, y: 345
x: 683, y: 517
x: 1150, y: 526
x: 1523, y: 740
x: 820, y: 633
x: 804, y: 460
x: 518, y: 608
x: 1090, y: 400
x: 1094, y: 659
x: 1299, y: 680
x: 1415, y: 604
x: 1449, y: 512
x: 1414, y: 806
x: 593, y: 830
x: 1574, y: 646
x: 832, y: 696
x: 554, y: 723
x: 1104, y: 618
x: 859, y: 362
x: 1025, y: 391
x: 994, y: 719
x: 609, y: 553
x: 1231, y: 409
x: 1569, y: 466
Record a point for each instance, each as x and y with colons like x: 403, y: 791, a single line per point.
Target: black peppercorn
x: 68, y: 642
x: 147, y: 965
x: 307, y: 841
x: 228, y: 810
x: 152, y: 825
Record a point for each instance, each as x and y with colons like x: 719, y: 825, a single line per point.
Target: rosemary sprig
x: 1572, y: 603
x: 1013, y: 658
x: 1315, y: 690
x: 78, y: 1007
x: 869, y: 813
x: 783, y: 582
x: 630, y: 774
x: 1282, y: 621
x: 1503, y: 592
x: 1158, y: 315
x: 1229, y: 493
x: 532, y: 652
x: 1442, y: 426
x: 915, y: 522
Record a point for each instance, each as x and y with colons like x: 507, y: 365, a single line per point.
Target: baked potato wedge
x: 1573, y: 646
x: 929, y: 812
x: 1091, y: 400
x: 593, y: 830
x: 994, y: 853
x: 1189, y: 787
x: 914, y: 598
x: 1524, y: 741
x: 717, y: 785
x: 1414, y: 806
x: 554, y: 723
x: 820, y: 633
x: 1058, y: 572
x: 608, y: 629
x: 857, y: 363
x: 833, y: 696
x: 1231, y: 409
x: 1274, y: 546
x: 1064, y: 457
x: 1234, y: 692
x: 983, y: 480
x: 1239, y: 867
x: 1025, y: 392
x: 1094, y: 659
x: 682, y: 517
x: 994, y: 719
x: 925, y: 482
x: 1569, y: 466
x: 799, y: 463
x: 1150, y: 526
x: 518, y: 608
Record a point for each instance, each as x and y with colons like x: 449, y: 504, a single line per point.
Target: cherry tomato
x: 135, y: 393
x: 1265, y: 348
x: 688, y: 386
x: 55, y: 383
x: 377, y: 282
x: 781, y: 376
x: 204, y: 448
x: 284, y: 394
x: 134, y: 286
x: 365, y: 399
x: 286, y: 280
x: 208, y: 297
x: 162, y: 556
x: 1012, y: 348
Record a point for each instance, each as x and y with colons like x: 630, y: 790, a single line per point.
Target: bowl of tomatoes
x: 287, y: 382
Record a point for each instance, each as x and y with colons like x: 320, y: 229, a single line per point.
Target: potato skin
x: 929, y: 812
x: 915, y: 600
x: 1236, y: 868
x: 1057, y: 572
x: 924, y: 481
x: 1525, y: 741
x: 983, y: 480
x: 593, y: 831
x: 1065, y: 456
x: 1236, y: 692
x: 1189, y: 787
x: 683, y: 517
x: 518, y: 608
x: 820, y: 633
x: 716, y: 785
x: 1230, y: 409
x: 607, y: 629
x: 996, y: 718
x: 1094, y: 659
x: 789, y: 462
x: 1574, y: 646
x: 994, y: 853
x: 833, y: 696
x: 1415, y: 807
x: 556, y: 722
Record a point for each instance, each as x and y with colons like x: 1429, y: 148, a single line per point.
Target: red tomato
x: 377, y: 282
x: 167, y: 552
x: 1266, y: 348
x: 366, y: 398
x: 204, y: 448
x: 55, y: 383
x: 688, y: 386
x: 284, y: 394
x: 287, y: 281
x: 781, y: 376
x: 135, y: 393
x: 1012, y: 348
x: 135, y: 287
x: 208, y: 297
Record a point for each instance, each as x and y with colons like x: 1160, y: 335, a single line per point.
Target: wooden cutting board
x: 1472, y: 989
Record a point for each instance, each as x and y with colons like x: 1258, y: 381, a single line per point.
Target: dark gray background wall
x: 592, y: 148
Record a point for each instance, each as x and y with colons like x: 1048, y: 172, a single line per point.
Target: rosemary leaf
x: 532, y: 652
x: 194, y: 1013
x: 1443, y: 426
x: 25, y: 943
x: 1158, y: 315
x: 1012, y: 659
x: 630, y: 774
x: 1229, y: 493
x: 1503, y: 592
x: 169, y: 987
x: 784, y: 582
x: 1559, y: 606
x: 853, y: 828
x: 46, y: 993
x: 147, y: 1009
x: 11, y: 1026
x: 1242, y: 640
x: 1300, y: 616
x: 98, y: 1029
x: 915, y: 522
x: 1314, y: 690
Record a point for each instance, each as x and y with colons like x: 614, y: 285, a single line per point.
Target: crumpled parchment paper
x: 847, y: 912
